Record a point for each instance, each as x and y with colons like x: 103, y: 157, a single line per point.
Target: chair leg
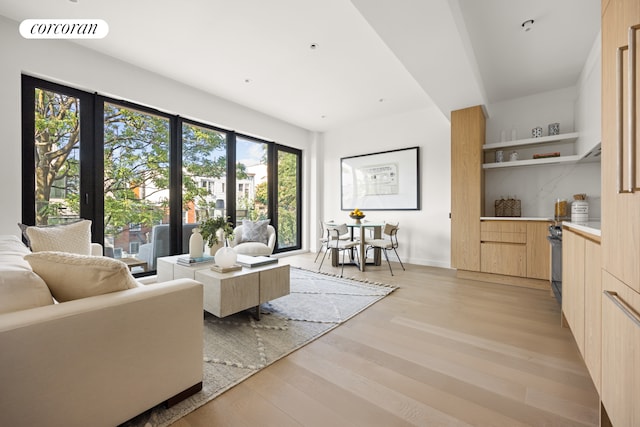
x: 394, y: 250
x: 342, y: 271
x: 318, y: 254
x: 387, y: 257
x: 323, y: 257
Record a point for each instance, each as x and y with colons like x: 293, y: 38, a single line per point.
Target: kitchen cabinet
x: 620, y: 213
x: 582, y: 296
x: 515, y: 248
x: 467, y: 186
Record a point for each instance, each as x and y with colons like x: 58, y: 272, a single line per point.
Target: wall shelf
x: 564, y: 137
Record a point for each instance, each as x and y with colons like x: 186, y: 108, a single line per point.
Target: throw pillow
x: 73, y: 237
x: 72, y: 276
x: 255, y: 231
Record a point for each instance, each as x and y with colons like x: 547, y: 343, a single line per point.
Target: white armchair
x: 253, y: 248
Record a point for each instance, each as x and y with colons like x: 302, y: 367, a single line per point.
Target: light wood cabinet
x: 620, y: 374
x: 538, y: 250
x: 593, y: 309
x: 515, y: 248
x: 467, y: 186
x: 573, y: 285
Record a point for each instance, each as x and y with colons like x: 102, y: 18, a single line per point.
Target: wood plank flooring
x: 439, y: 351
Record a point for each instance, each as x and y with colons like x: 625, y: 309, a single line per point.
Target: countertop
x: 590, y: 227
x: 513, y: 218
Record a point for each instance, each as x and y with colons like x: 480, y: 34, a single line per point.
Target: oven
x: 555, y: 240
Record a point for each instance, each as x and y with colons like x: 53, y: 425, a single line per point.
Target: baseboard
x: 183, y: 395
x: 523, y: 282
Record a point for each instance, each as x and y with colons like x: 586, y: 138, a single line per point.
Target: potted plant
x: 215, y: 229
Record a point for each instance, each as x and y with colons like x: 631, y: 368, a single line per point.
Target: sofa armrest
x: 101, y: 360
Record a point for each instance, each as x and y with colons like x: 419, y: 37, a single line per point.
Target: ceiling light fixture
x: 526, y: 25
x: 247, y: 80
x: 73, y: 1
x: 313, y: 46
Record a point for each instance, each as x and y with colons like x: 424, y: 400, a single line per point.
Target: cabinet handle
x: 619, y: 117
x: 613, y: 296
x: 632, y: 107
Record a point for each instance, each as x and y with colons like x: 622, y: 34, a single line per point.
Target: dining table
x: 357, y: 231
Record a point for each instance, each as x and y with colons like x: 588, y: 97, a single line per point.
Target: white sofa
x: 95, y: 361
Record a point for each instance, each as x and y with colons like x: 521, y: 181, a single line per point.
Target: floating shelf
x: 530, y: 162
x: 565, y: 137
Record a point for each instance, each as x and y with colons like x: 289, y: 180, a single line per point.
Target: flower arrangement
x: 209, y: 228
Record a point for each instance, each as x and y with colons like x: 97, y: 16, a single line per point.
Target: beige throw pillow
x: 73, y: 276
x: 22, y: 289
x: 74, y: 237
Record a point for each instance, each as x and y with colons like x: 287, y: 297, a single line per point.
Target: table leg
x: 363, y: 259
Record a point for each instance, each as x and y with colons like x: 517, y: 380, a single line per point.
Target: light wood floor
x: 439, y: 351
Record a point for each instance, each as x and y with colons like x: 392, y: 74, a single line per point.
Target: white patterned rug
x: 238, y: 346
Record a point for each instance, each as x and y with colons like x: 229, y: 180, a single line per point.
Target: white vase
x: 226, y: 257
x: 196, y: 244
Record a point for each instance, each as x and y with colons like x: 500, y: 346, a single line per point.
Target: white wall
x: 425, y: 234
x: 68, y: 63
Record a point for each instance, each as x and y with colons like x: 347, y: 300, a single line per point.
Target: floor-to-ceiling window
x: 137, y: 172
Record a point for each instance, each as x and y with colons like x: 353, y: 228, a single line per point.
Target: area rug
x: 238, y: 346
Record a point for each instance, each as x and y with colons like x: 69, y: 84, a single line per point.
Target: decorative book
x: 218, y: 269
x: 186, y: 260
x: 255, y: 261
x: 546, y: 155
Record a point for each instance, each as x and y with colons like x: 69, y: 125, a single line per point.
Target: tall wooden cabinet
x: 467, y: 186
x: 620, y: 212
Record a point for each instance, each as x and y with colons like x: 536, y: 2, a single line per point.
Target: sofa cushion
x: 73, y: 237
x: 255, y: 231
x: 72, y: 276
x: 20, y: 287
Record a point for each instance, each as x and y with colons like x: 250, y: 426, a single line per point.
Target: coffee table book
x: 186, y: 260
x: 219, y: 269
x: 255, y: 261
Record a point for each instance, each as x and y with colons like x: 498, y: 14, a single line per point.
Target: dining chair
x: 324, y: 239
x: 388, y: 242
x: 335, y: 243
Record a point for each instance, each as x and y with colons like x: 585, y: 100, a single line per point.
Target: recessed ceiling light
x: 313, y: 46
x: 381, y: 100
x: 73, y: 1
x: 526, y: 25
x: 247, y: 80
x: 323, y: 116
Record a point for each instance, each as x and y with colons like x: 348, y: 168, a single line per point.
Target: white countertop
x: 590, y: 227
x: 513, y: 218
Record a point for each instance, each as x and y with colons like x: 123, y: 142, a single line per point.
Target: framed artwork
x: 388, y: 180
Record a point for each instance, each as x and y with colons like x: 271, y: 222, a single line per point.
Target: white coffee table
x: 232, y: 292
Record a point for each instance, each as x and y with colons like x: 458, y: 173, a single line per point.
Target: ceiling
x: 371, y: 58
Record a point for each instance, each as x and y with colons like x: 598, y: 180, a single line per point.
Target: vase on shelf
x: 196, y: 244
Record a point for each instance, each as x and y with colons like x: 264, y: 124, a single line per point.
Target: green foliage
x: 209, y: 229
x: 287, y: 199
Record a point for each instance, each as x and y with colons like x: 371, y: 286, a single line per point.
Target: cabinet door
x: 620, y: 195
x: 504, y: 258
x: 620, y: 350
x: 592, y: 309
x: 538, y: 251
x: 573, y: 284
x: 467, y: 189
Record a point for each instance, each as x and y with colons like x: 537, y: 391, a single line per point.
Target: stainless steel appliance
x: 555, y: 239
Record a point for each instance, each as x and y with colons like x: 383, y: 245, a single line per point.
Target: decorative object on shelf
x: 225, y: 257
x: 508, y: 207
x: 514, y: 156
x: 546, y: 155
x: 357, y: 215
x: 215, y: 230
x: 536, y: 132
x: 499, y: 156
x: 554, y: 129
x: 196, y: 244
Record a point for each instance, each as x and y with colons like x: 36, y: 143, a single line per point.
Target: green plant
x: 209, y: 229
